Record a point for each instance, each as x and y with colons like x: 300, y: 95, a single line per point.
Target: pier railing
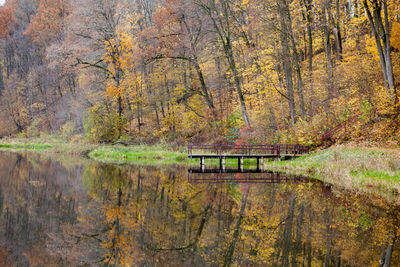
x: 247, y: 150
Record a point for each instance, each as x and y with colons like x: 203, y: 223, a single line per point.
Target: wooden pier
x: 241, y: 152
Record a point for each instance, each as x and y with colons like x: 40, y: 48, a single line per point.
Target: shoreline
x: 355, y: 167
x: 157, y: 154
x: 106, y: 153
x: 358, y: 167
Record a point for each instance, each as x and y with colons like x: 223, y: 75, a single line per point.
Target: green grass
x: 140, y: 154
x: 25, y: 146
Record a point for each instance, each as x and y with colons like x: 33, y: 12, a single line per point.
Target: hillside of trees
x: 204, y: 71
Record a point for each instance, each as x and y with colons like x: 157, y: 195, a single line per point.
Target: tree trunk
x: 382, y: 258
x: 286, y: 58
x: 157, y: 116
x: 232, y: 65
x: 119, y: 98
x: 328, y: 51
x: 1, y: 80
x: 389, y: 67
x: 381, y: 32
x: 308, y: 7
x: 388, y: 256
x: 296, y: 62
x: 387, y: 253
x: 139, y: 122
x: 337, y: 33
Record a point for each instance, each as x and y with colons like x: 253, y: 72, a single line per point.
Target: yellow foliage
x: 395, y: 38
x: 370, y: 45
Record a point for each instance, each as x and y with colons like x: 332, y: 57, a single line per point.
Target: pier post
x: 241, y: 163
x: 202, y: 165
x: 223, y: 163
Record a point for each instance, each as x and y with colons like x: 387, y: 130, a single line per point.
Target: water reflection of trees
x: 149, y: 216
x: 34, y: 200
x: 156, y: 218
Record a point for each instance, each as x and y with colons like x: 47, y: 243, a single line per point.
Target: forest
x: 202, y: 71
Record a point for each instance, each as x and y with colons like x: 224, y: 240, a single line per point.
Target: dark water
x: 91, y: 214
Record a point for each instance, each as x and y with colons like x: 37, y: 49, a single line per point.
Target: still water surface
x: 56, y: 213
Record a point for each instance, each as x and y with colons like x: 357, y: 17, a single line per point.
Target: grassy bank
x: 25, y: 146
x: 139, y: 154
x: 352, y: 166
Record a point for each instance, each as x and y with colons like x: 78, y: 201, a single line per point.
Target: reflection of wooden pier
x: 241, y: 176
x: 241, y: 152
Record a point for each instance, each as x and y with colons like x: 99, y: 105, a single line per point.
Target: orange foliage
x: 6, y: 20
x: 46, y: 25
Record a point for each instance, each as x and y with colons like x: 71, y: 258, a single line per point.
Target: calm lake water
x: 55, y: 213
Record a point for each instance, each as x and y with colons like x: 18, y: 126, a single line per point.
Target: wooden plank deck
x: 207, y: 156
x: 241, y: 152
x: 247, y: 151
